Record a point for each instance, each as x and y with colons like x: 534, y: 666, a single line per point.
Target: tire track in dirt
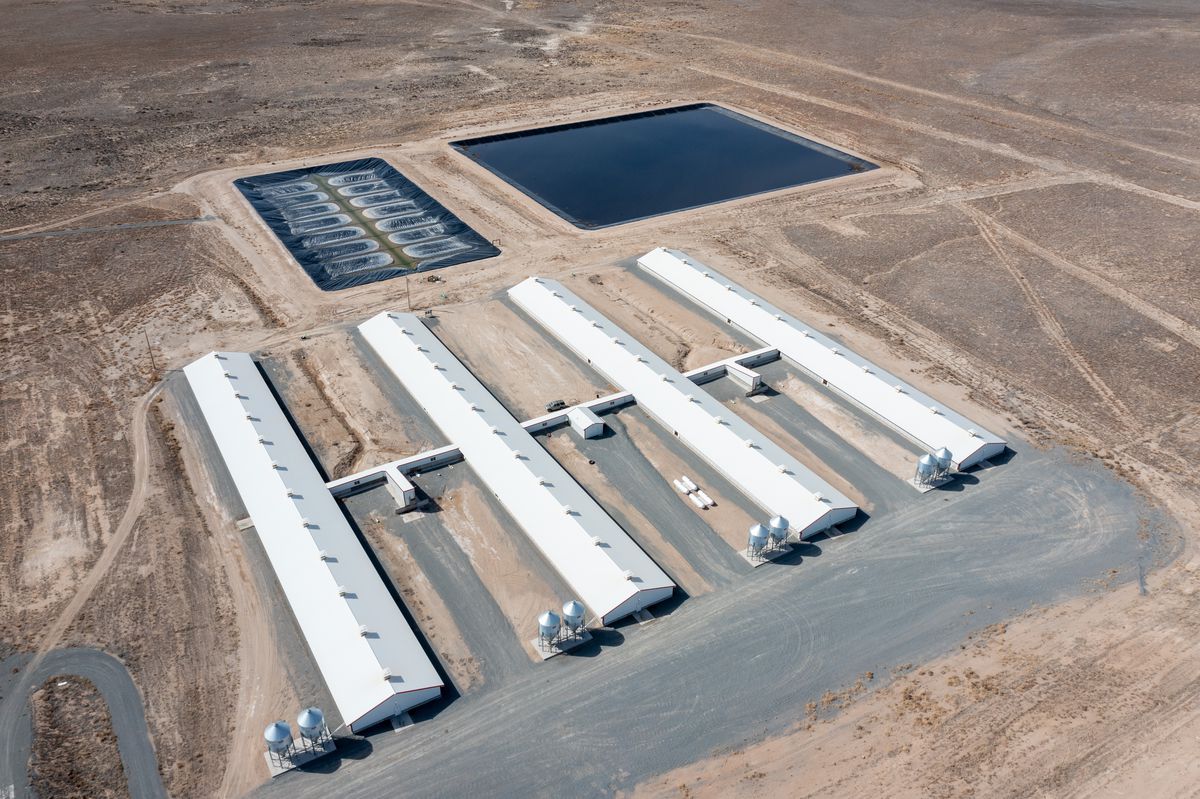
x: 944, y: 97
x: 133, y: 511
x: 1049, y: 322
x: 1179, y: 327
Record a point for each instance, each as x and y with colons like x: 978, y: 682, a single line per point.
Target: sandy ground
x: 76, y: 754
x: 1022, y: 709
x: 1024, y: 254
x: 562, y: 445
x: 726, y: 518
x: 516, y: 588
x: 503, y: 352
x: 879, y: 448
x: 681, y: 335
x: 425, y: 605
x: 793, y: 443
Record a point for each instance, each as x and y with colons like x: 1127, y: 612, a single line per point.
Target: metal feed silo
x: 944, y: 459
x: 926, y: 469
x: 278, y: 737
x: 778, y: 528
x: 549, y: 625
x: 572, y: 616
x: 760, y: 538
x: 311, y: 723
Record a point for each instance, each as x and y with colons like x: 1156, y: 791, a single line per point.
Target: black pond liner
x: 610, y: 171
x: 342, y: 247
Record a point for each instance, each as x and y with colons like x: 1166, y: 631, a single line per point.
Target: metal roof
x: 922, y: 419
x: 360, y: 640
x: 596, y: 558
x: 761, y: 469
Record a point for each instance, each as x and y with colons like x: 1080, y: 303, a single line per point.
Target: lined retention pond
x: 360, y: 221
x: 609, y: 171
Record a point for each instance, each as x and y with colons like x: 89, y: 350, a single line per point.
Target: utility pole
x: 150, y: 352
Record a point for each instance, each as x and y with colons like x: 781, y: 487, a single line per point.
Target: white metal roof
x: 316, y: 556
x: 761, y: 469
x: 883, y: 394
x: 597, y: 559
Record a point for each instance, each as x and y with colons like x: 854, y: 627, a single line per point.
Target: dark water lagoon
x: 609, y: 171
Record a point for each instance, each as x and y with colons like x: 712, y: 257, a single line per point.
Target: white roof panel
x: 886, y: 396
x: 327, y: 577
x: 595, y: 557
x: 761, y: 469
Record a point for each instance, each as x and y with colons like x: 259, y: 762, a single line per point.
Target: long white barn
x: 608, y: 571
x: 759, y: 468
x: 370, y: 658
x: 915, y: 415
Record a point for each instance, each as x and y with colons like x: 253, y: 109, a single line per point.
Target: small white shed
x: 586, y: 423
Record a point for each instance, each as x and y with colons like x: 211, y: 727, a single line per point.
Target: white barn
x: 757, y: 466
x: 606, y: 569
x: 368, y: 655
x: 917, y: 416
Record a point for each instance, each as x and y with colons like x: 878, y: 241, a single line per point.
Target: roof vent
x: 262, y: 439
x: 343, y: 590
x: 496, y: 430
x: 597, y: 541
x: 435, y: 364
x: 818, y: 497
x: 750, y: 443
x: 804, y: 333
x: 728, y: 287
x: 305, y: 523
x: 834, y: 350
x: 866, y: 369
x: 779, y: 316
x: 933, y: 409
x: 323, y: 555
x: 541, y: 481
x: 899, y: 388
x: 595, y: 323
x: 517, y: 454
x: 705, y: 273
x: 275, y: 465
x: 972, y: 433
x: 567, y: 509
x: 782, y: 469
x: 573, y: 307
x: 617, y: 341
x: 717, y: 419
x: 362, y: 630
x: 291, y: 494
x: 627, y: 574
x: 387, y: 674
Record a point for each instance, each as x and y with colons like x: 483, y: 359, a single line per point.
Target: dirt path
x: 1049, y: 322
x: 133, y: 511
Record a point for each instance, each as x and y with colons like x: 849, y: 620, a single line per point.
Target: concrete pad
x: 560, y: 646
x: 766, y: 557
x: 299, y: 757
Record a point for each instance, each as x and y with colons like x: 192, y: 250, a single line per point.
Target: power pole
x: 150, y: 352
